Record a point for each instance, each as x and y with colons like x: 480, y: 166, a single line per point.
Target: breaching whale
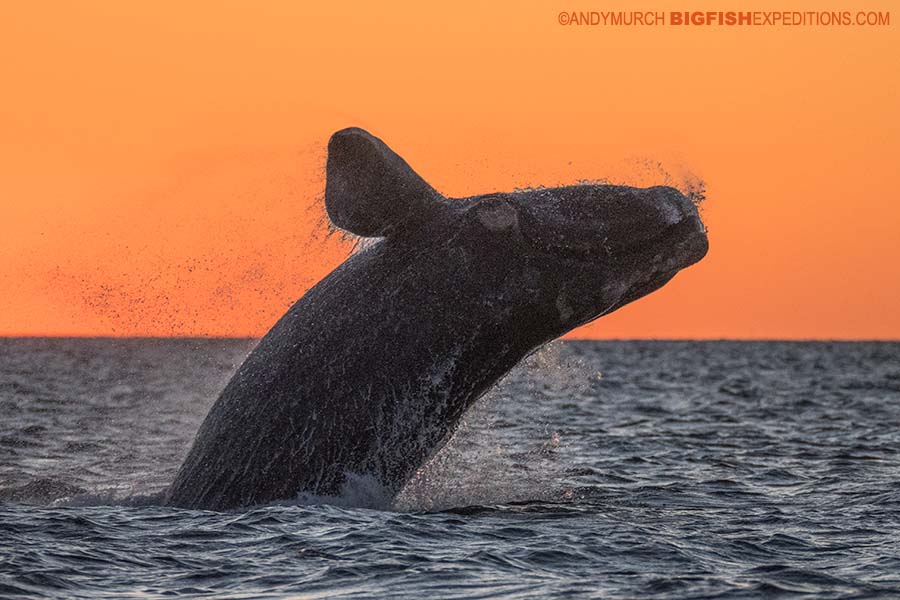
x: 372, y: 369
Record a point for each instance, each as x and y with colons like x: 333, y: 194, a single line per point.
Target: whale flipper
x: 369, y: 190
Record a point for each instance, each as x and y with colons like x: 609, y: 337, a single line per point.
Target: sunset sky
x: 162, y: 163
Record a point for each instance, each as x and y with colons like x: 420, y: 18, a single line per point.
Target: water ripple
x: 689, y: 470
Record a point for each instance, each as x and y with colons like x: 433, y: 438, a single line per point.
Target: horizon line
x: 563, y: 338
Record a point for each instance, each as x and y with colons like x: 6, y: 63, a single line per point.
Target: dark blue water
x: 597, y: 469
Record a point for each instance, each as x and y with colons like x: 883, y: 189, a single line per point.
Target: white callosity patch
x: 563, y: 308
x: 670, y: 213
x: 498, y: 215
x: 615, y: 289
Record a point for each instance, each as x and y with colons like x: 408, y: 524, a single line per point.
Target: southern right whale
x: 372, y: 369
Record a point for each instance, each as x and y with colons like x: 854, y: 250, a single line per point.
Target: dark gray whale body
x: 371, y: 370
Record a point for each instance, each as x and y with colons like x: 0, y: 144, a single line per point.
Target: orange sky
x: 161, y: 164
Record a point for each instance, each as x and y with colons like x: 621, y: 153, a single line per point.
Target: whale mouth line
x: 673, y: 235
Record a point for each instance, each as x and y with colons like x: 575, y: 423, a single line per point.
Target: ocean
x: 630, y: 469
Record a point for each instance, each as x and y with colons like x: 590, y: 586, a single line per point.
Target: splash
x: 479, y: 466
x: 358, y: 491
x: 647, y: 171
x: 180, y: 269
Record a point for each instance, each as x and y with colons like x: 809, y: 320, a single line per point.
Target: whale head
x: 571, y: 254
x: 610, y: 244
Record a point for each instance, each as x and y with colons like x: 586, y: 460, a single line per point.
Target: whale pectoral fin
x: 369, y: 190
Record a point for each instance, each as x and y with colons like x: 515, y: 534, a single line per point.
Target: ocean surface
x: 594, y: 470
